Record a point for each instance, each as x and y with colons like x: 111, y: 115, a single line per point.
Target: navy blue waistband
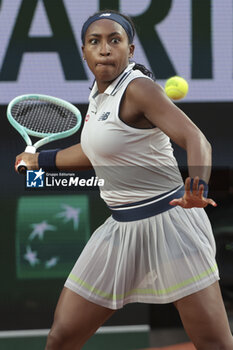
x: 146, y: 208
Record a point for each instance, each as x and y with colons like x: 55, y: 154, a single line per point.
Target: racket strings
x: 43, y: 116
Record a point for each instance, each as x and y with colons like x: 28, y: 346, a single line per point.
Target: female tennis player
x: 157, y: 246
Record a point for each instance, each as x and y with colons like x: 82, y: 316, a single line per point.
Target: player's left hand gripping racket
x: 46, y: 117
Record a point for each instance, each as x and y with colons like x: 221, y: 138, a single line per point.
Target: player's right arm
x: 71, y: 159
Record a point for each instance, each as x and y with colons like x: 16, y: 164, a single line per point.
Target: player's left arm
x: 151, y: 100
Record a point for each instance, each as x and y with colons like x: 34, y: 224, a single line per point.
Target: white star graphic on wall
x: 51, y: 262
x: 39, y: 230
x: 31, y: 256
x: 70, y: 213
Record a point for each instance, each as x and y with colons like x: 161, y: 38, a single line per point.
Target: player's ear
x: 131, y: 50
x: 83, y: 47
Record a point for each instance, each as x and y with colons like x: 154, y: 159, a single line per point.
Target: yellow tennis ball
x: 176, y: 88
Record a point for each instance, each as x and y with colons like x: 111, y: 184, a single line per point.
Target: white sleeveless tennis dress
x: 146, y: 251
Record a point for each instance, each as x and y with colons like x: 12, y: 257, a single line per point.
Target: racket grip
x: 21, y: 167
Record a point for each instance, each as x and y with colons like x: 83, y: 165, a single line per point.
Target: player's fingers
x: 187, y: 185
x: 195, y: 185
x: 20, y: 156
x: 211, y: 202
x: 177, y: 201
x: 31, y: 159
x: 201, y: 191
x: 18, y: 160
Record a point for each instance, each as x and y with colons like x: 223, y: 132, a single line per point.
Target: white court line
x: 102, y: 330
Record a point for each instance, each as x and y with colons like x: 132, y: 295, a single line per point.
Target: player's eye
x: 93, y: 41
x: 115, y: 40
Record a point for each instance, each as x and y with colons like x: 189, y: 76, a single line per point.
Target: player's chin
x: 105, y: 69
x: 106, y: 78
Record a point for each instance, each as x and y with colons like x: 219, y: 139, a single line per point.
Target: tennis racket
x: 45, y: 117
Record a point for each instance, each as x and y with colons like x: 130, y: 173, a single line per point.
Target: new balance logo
x: 104, y: 116
x: 105, y: 14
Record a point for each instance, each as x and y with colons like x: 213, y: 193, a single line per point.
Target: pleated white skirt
x: 159, y: 259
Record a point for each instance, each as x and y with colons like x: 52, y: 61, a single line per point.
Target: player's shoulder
x: 142, y: 82
x: 143, y: 86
